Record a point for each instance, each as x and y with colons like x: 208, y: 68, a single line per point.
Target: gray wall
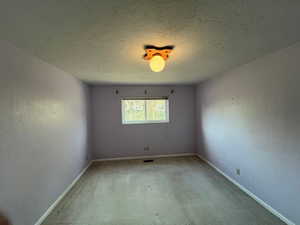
x: 43, y: 134
x: 249, y: 118
x: 112, y: 139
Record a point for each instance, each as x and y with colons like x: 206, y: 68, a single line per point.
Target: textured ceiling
x: 101, y: 41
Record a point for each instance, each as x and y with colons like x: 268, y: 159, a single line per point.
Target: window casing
x: 145, y: 110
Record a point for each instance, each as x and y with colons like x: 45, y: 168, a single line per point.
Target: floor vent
x: 148, y: 160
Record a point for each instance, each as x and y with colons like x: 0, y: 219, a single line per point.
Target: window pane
x: 156, y: 109
x: 145, y: 111
x: 134, y: 110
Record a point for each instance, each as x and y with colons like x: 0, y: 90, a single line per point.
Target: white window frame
x: 167, y: 120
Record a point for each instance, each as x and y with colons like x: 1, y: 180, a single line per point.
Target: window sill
x: 146, y: 122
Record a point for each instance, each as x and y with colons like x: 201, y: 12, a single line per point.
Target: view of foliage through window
x: 145, y: 110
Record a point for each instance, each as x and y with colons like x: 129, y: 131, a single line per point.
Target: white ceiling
x: 101, y: 41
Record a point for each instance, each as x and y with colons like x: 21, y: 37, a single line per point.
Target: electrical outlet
x: 146, y: 148
x: 238, y: 171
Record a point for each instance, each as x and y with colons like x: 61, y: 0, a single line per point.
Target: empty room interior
x: 150, y: 112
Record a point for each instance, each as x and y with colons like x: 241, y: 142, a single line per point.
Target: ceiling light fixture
x: 157, y: 56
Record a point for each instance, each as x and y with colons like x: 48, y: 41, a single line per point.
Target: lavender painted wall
x: 112, y: 139
x: 43, y: 134
x: 249, y: 118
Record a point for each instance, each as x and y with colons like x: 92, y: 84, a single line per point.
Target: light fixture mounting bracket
x: 152, y: 50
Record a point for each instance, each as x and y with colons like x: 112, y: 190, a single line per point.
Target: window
x: 137, y: 111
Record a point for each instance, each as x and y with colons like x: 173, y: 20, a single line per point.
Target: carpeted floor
x: 169, y: 191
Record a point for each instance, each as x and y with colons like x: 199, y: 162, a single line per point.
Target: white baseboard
x: 257, y: 199
x: 54, y: 204
x: 144, y: 157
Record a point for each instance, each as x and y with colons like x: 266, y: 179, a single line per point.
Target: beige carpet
x: 169, y: 191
